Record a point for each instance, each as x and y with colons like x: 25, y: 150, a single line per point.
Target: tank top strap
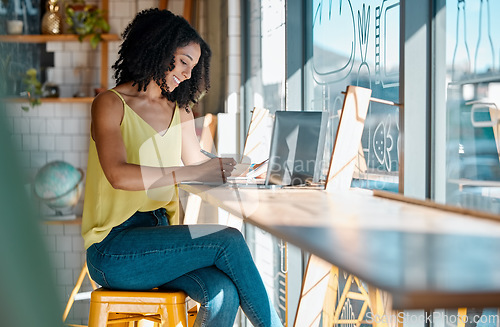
x: 118, y: 94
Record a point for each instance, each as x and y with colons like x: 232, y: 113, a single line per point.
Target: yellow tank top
x: 105, y: 207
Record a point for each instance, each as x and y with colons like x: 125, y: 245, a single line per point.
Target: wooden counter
x: 424, y: 257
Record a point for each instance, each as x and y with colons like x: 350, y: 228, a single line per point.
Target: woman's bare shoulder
x: 107, y: 105
x: 106, y: 98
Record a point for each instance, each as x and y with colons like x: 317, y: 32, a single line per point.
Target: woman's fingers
x: 218, y: 169
x: 228, y: 164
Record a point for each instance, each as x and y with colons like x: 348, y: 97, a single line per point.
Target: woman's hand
x: 216, y: 170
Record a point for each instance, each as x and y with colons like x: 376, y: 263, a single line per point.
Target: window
x: 357, y: 43
x: 472, y: 104
x: 264, y: 83
x: 265, y: 73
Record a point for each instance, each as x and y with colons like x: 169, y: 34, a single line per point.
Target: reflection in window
x: 357, y: 43
x: 265, y: 88
x: 473, y: 102
x: 266, y: 74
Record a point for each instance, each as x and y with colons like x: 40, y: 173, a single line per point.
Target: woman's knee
x: 234, y: 237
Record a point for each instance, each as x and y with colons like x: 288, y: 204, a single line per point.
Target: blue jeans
x: 211, y: 263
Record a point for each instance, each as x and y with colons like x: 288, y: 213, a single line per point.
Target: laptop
x: 296, y: 152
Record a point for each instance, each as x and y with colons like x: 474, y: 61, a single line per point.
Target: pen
x: 208, y: 154
x: 256, y: 166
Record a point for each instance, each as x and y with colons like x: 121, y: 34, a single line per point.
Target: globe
x: 58, y: 185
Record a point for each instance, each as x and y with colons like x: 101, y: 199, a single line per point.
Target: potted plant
x: 86, y: 20
x: 33, y: 89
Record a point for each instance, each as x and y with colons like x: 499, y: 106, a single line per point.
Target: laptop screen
x: 297, y: 143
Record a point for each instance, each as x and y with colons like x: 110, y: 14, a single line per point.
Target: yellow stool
x: 167, y: 308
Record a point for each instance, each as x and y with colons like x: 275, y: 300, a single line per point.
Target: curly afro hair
x: 147, y: 53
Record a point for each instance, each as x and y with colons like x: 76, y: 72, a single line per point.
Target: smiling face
x: 185, y: 59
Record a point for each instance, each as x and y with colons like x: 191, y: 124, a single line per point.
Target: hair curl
x: 147, y: 53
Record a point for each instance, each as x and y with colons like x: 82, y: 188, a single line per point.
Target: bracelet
x: 173, y: 176
x: 222, y: 170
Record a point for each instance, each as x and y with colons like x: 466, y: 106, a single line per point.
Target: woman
x: 143, y: 142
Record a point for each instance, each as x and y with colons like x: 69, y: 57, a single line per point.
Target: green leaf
x: 94, y: 41
x: 87, y: 22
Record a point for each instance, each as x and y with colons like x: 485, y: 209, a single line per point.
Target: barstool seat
x: 166, y: 308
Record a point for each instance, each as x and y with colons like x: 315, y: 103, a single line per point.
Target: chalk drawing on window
x: 383, y: 142
x: 488, y: 51
x: 364, y: 33
x: 387, y: 43
x: 333, y: 67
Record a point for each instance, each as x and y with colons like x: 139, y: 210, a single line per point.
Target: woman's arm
x: 107, y: 114
x: 190, y: 144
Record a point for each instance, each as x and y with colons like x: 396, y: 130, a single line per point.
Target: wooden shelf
x: 35, y: 38
x: 77, y: 221
x: 53, y: 100
x: 42, y: 38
